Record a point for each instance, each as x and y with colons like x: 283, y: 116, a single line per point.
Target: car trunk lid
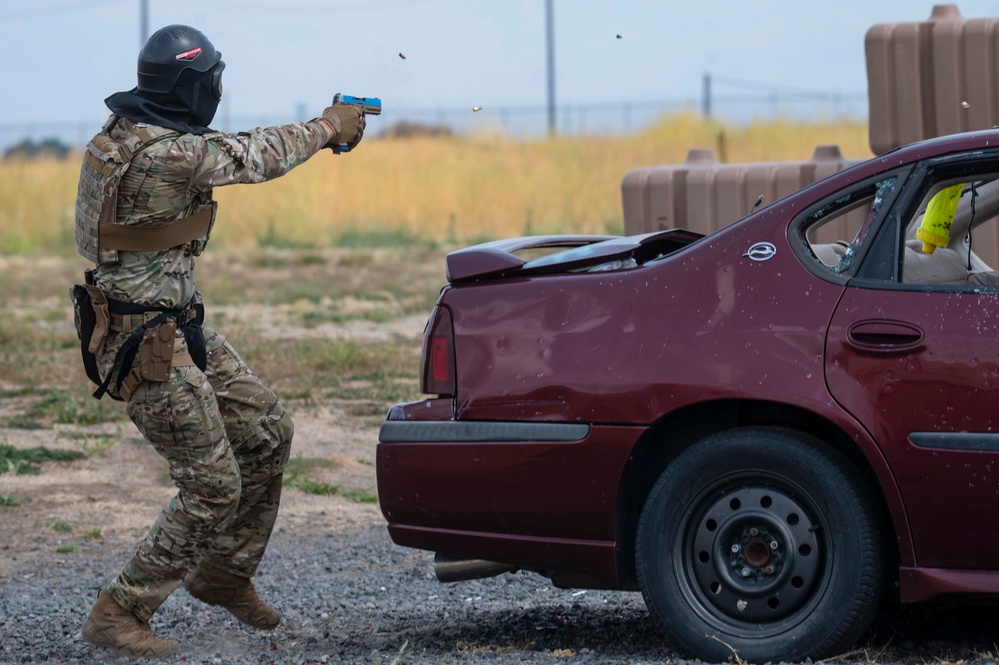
x: 571, y: 253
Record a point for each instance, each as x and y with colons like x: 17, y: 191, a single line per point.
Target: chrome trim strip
x: 454, y: 431
x: 972, y: 441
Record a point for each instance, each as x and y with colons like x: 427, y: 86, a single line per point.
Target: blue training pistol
x: 368, y: 106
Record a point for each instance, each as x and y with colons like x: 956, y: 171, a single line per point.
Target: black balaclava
x: 190, y: 107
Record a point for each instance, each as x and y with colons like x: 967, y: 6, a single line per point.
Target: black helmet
x: 170, y: 51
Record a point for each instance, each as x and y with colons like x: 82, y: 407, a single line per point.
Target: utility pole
x: 706, y: 97
x: 550, y: 34
x: 143, y: 22
x: 226, y: 117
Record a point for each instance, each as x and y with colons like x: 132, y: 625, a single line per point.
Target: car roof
x: 985, y: 138
x: 902, y: 156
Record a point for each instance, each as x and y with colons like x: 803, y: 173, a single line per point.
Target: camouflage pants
x: 227, y: 439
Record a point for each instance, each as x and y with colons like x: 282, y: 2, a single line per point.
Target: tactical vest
x: 99, y: 236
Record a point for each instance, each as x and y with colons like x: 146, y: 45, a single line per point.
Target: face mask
x: 204, y: 103
x: 199, y: 95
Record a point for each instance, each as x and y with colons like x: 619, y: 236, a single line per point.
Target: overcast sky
x: 61, y: 58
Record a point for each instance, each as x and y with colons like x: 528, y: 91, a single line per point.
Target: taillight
x: 440, y: 367
x: 438, y: 375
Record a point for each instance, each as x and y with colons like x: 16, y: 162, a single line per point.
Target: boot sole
x: 99, y: 638
x: 235, y: 613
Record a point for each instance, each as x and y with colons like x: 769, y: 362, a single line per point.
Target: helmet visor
x: 217, y: 78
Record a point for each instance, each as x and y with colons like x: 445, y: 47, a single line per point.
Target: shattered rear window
x: 835, y: 232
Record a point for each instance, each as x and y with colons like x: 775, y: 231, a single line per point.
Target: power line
x: 324, y: 8
x: 764, y: 87
x: 58, y: 9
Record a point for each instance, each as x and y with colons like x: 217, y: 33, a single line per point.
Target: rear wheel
x: 761, y: 543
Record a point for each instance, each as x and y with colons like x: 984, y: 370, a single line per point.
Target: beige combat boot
x: 112, y: 627
x: 217, y: 587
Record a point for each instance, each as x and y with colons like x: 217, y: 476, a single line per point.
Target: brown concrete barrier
x: 931, y: 78
x: 704, y: 195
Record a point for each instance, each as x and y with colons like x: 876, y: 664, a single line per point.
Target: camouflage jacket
x: 175, y: 175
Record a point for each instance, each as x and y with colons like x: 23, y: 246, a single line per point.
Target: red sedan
x: 768, y: 431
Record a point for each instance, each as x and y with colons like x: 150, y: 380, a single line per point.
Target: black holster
x: 86, y: 321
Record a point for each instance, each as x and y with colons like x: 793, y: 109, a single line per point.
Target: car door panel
x: 920, y: 370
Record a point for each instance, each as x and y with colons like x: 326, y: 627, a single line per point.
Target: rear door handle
x: 884, y: 336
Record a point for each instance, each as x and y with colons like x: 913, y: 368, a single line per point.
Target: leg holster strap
x: 134, y: 378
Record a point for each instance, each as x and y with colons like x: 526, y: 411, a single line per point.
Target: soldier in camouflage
x: 144, y: 213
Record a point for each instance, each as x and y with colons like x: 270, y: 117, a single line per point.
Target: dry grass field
x: 453, y: 190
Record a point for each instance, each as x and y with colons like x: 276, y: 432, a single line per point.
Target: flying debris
x: 402, y: 55
x: 476, y: 109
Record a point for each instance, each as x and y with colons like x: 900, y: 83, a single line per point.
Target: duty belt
x: 127, y: 323
x: 135, y: 319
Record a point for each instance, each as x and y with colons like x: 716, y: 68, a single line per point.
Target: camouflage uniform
x: 224, y: 434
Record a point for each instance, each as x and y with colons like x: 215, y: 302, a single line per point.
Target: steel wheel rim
x: 752, y: 557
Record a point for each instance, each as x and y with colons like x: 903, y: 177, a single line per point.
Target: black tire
x: 761, y: 543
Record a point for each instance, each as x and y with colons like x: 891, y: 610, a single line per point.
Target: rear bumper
x: 541, y: 496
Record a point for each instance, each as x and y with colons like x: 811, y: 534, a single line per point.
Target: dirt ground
x: 121, y: 490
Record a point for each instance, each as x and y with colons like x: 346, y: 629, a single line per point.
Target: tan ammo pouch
x: 99, y: 303
x: 91, y: 318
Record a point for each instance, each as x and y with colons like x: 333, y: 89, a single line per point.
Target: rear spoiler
x: 498, y: 258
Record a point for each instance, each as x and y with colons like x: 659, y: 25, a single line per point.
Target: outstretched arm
x: 258, y: 155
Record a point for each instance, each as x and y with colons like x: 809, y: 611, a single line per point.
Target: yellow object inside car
x: 934, y: 230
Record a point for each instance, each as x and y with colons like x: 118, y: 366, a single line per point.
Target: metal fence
x: 591, y: 119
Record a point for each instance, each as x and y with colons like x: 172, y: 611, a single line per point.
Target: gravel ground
x: 349, y: 596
